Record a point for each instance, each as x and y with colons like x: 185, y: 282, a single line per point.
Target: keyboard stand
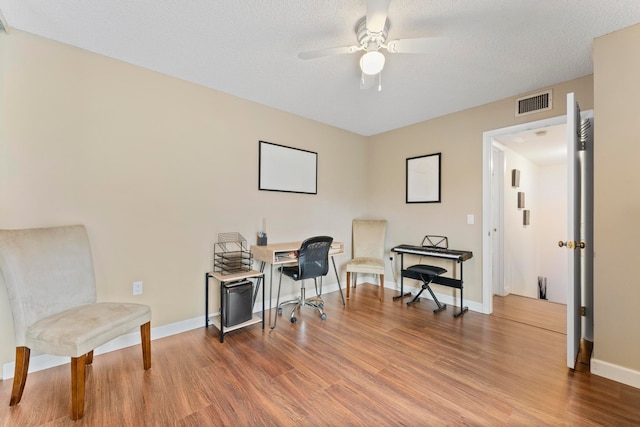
x: 445, y: 281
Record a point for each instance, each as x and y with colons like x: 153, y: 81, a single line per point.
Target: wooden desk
x: 228, y: 278
x: 283, y: 253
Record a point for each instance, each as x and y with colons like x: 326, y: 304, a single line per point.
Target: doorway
x: 533, y: 215
x: 508, y: 215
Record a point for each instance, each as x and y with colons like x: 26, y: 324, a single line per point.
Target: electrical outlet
x: 137, y: 288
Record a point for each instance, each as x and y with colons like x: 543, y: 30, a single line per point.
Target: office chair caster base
x: 323, y: 316
x: 293, y: 319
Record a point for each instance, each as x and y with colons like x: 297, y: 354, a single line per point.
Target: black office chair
x: 313, y: 262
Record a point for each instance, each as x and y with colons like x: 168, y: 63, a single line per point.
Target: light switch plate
x: 137, y: 288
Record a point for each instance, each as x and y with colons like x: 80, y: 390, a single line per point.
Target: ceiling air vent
x: 537, y: 102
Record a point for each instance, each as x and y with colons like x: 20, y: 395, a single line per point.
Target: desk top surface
x: 235, y: 276
x: 276, y: 252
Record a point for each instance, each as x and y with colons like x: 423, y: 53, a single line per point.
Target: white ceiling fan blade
x: 3, y: 23
x: 377, y: 15
x: 367, y: 80
x: 328, y: 52
x: 419, y: 45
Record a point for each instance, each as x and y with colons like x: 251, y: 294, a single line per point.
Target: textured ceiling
x: 249, y: 48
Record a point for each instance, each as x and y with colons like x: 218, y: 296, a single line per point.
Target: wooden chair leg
x: 381, y: 290
x: 145, y: 336
x: 20, y: 374
x: 90, y: 357
x: 348, y: 283
x: 78, y: 365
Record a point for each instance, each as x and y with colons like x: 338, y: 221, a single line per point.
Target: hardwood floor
x: 539, y: 313
x: 369, y: 364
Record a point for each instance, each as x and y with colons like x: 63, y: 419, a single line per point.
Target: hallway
x: 530, y: 311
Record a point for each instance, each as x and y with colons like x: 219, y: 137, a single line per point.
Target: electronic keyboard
x: 434, y: 251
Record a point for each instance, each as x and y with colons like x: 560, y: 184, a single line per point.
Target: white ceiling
x: 543, y: 146
x: 249, y: 48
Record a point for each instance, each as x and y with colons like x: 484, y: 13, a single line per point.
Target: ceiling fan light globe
x: 372, y: 63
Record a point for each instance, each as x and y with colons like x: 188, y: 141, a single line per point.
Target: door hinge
x: 585, y: 134
x: 583, y: 311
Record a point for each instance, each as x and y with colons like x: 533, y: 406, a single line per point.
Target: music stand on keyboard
x: 435, y: 241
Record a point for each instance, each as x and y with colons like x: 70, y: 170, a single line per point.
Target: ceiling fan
x: 371, y: 33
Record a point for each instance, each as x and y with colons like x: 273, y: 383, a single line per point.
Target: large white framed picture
x: 287, y: 169
x: 423, y: 178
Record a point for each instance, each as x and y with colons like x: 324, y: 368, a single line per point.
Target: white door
x: 579, y: 225
x: 497, y: 209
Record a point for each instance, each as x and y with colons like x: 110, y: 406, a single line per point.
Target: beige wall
x: 617, y: 202
x: 458, y: 137
x: 156, y: 168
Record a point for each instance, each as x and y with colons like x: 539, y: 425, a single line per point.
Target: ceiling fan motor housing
x: 371, y: 41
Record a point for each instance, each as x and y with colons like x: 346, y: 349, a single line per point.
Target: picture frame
x: 423, y: 179
x: 287, y: 169
x: 515, y: 178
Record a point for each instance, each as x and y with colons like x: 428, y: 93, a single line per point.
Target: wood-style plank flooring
x: 369, y: 364
x: 539, y: 313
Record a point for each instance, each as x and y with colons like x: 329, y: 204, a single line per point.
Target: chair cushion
x: 81, y: 329
x: 366, y: 265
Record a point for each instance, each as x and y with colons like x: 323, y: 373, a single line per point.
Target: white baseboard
x: 45, y: 361
x: 616, y: 373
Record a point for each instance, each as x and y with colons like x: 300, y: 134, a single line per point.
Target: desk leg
x: 271, y: 325
x: 258, y: 280
x: 221, y: 312
x: 462, y: 309
x: 263, y: 297
x: 206, y: 300
x: 338, y: 279
x: 402, y: 293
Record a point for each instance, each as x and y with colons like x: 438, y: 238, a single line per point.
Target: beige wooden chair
x: 51, y: 286
x: 368, y: 251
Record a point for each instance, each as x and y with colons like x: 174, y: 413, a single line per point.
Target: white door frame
x: 487, y: 211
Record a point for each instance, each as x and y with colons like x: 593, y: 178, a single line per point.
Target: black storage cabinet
x: 237, y: 301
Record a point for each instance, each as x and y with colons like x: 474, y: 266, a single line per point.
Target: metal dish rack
x: 231, y: 254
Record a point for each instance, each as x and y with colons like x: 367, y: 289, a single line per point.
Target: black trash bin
x: 237, y: 298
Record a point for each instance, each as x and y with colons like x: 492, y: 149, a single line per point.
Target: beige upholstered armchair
x: 368, y: 251
x: 51, y: 286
